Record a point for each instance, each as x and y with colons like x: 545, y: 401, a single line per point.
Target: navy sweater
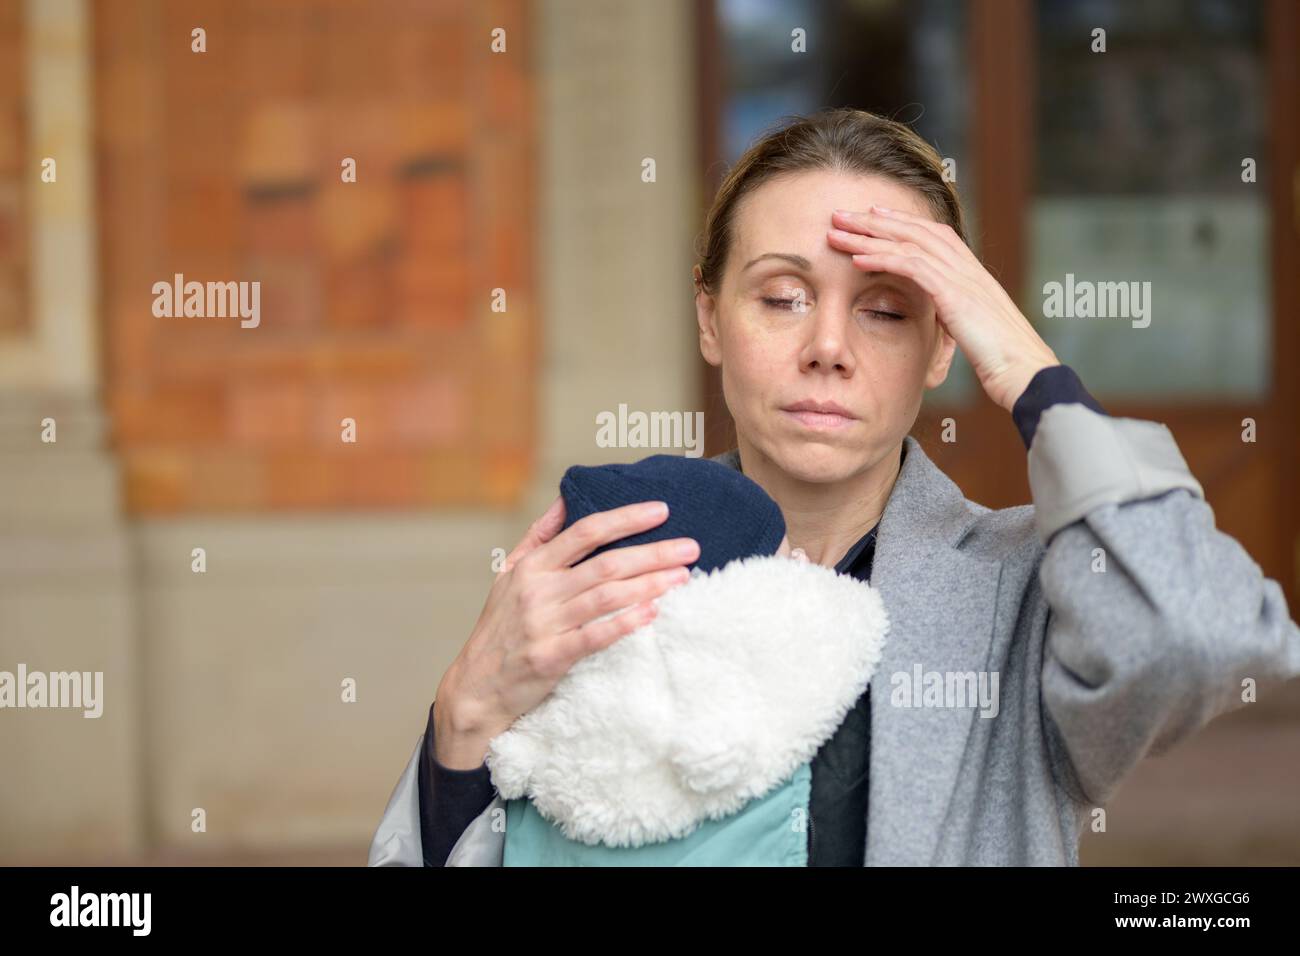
x: 451, y: 799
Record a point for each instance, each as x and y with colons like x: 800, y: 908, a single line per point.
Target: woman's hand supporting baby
x: 541, y: 617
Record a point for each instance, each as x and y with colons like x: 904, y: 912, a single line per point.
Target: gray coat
x: 1111, y: 618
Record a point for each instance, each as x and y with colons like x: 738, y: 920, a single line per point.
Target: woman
x: 834, y: 283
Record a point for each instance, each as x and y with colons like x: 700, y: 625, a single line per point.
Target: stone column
x: 73, y: 786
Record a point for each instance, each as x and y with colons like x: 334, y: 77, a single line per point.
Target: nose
x: 826, y: 347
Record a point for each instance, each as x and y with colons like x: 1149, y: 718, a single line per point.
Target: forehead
x: 796, y: 208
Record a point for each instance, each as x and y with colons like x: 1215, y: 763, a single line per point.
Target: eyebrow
x: 800, y: 261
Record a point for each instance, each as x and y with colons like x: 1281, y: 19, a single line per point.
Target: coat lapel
x: 942, y: 604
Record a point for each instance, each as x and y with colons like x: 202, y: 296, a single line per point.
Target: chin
x: 819, y: 461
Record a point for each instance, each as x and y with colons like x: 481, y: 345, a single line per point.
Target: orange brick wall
x: 14, y: 172
x: 375, y: 295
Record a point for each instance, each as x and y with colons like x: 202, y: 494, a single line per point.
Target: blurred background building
x: 500, y: 271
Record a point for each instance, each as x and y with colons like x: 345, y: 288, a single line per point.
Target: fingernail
x: 656, y: 509
x: 686, y: 549
x: 885, y: 209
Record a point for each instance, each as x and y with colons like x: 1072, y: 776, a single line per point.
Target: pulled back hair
x: 839, y: 139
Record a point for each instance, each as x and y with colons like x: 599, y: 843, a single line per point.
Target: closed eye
x: 787, y: 305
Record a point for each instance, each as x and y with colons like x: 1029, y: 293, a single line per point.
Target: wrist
x: 1019, y: 381
x: 461, y: 734
x: 456, y: 712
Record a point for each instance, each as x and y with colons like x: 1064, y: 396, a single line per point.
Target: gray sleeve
x: 484, y: 841
x: 397, y: 841
x: 1141, y: 654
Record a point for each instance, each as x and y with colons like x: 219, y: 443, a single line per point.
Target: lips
x: 824, y: 408
x: 821, y: 416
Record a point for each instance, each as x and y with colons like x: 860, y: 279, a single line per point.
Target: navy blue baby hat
x: 727, y: 513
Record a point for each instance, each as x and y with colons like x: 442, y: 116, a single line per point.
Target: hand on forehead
x: 791, y: 214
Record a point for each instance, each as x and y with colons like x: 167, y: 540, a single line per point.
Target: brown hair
x: 839, y: 139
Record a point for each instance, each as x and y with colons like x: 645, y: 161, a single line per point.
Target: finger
x: 946, y: 233
x: 853, y: 243
x: 539, y: 532
x: 593, y: 636
x: 919, y: 268
x: 610, y: 596
x: 914, y: 230
x: 621, y: 564
x: 591, y: 532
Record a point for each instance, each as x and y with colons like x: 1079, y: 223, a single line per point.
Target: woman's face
x: 869, y: 343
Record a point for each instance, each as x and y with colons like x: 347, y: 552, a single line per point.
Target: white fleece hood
x: 739, y: 679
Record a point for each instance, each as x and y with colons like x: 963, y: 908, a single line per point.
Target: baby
x: 690, y: 739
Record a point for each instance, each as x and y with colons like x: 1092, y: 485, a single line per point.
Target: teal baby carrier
x: 769, y: 831
x: 689, y: 742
